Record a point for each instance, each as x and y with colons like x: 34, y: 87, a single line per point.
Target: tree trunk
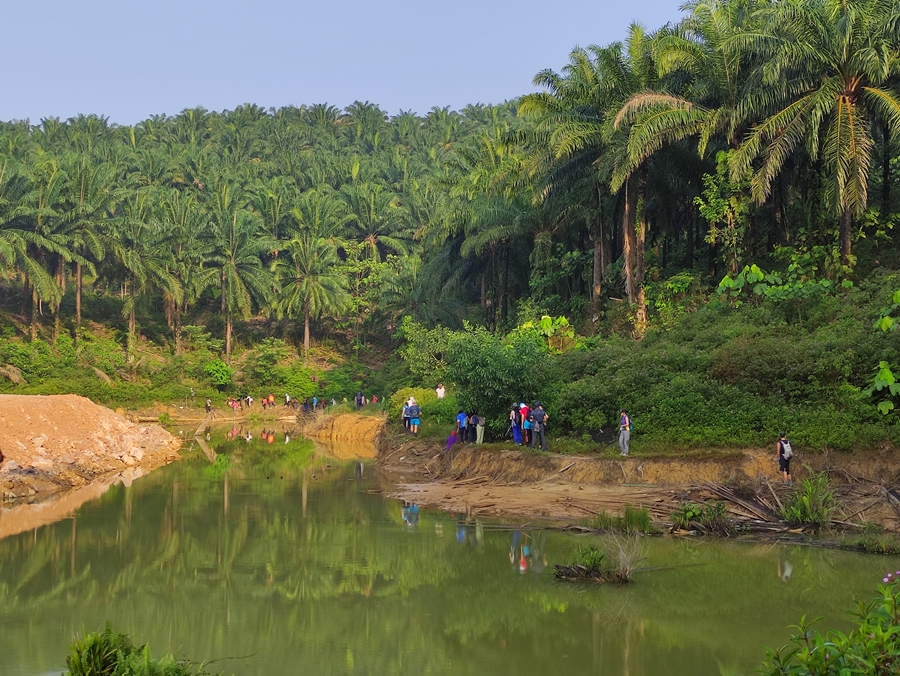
x: 689, y: 240
x: 227, y: 334
x: 78, y: 283
x: 306, y: 332
x: 846, y: 229
x: 597, y: 278
x: 504, y: 283
x: 132, y: 329
x: 885, y: 171
x: 629, y: 237
x: 177, y: 328
x: 34, y: 315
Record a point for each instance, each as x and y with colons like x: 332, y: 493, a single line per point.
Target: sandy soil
x: 58, y: 443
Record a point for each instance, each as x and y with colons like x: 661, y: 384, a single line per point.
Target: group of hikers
x: 528, y: 424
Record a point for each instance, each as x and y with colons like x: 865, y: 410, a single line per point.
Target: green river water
x: 290, y: 563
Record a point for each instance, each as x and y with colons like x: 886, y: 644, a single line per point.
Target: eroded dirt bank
x: 492, y: 481
x: 54, y: 444
x: 362, y: 436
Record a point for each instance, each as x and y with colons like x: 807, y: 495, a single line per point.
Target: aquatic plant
x: 872, y: 647
x: 109, y: 653
x: 813, y: 504
x: 709, y: 516
x: 634, y: 520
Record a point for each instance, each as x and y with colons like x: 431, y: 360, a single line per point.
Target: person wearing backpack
x: 415, y: 413
x: 479, y: 428
x: 538, y: 419
x: 784, y: 453
x: 515, y: 423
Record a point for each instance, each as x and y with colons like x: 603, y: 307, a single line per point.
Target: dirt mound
x: 55, y: 443
x: 347, y: 427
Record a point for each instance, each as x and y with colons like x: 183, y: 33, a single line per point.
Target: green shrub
x: 812, y: 505
x: 710, y: 516
x: 872, y: 647
x: 218, y: 372
x: 442, y: 411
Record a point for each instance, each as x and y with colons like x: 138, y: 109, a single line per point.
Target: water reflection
x: 273, y: 551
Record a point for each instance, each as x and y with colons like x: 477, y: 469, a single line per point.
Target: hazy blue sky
x: 129, y: 59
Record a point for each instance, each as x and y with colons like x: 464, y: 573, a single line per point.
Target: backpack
x: 414, y: 411
x: 786, y: 450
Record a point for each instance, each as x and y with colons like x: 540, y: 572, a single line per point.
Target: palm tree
x: 379, y: 217
x: 825, y: 73
x: 238, y: 245
x: 309, y: 281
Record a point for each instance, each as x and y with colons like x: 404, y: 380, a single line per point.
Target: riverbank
x: 55, y: 444
x: 498, y: 480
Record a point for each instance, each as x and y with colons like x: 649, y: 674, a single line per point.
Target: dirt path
x: 510, y: 481
x: 52, y: 444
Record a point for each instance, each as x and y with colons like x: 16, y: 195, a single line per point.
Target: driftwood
x: 754, y: 508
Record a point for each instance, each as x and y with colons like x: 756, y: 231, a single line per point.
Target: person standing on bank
x: 784, y: 453
x: 624, y: 432
x: 440, y: 391
x: 539, y: 425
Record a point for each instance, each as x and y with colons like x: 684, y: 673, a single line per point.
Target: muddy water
x: 285, y: 562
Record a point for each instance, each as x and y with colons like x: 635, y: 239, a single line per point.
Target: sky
x: 130, y: 59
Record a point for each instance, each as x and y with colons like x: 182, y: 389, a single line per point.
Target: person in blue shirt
x: 624, y: 432
x: 462, y: 424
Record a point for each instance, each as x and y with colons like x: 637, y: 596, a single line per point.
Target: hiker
x: 359, y: 400
x: 405, y: 415
x: 539, y: 425
x: 414, y: 413
x: 249, y: 401
x: 479, y: 429
x: 515, y: 423
x: 525, y: 413
x: 440, y: 391
x: 451, y: 440
x: 208, y: 405
x: 784, y: 453
x: 461, y: 425
x: 315, y: 403
x: 272, y: 400
x: 192, y: 396
x: 471, y: 422
x: 624, y: 432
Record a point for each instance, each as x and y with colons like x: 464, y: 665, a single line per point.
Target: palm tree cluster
x: 296, y: 212
x: 761, y: 118
x: 749, y: 126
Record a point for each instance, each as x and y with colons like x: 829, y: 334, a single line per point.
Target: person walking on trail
x: 415, y: 413
x: 462, y: 426
x: 451, y: 440
x: 624, y: 432
x: 479, y: 429
x: 539, y: 425
x: 359, y: 400
x: 515, y: 422
x: 208, y: 405
x: 405, y: 416
x: 784, y: 453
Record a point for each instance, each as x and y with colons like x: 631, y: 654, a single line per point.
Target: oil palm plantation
x: 826, y: 71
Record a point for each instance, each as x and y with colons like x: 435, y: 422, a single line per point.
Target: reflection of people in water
x: 785, y: 570
x: 538, y: 552
x: 358, y: 471
x: 410, y: 514
x: 461, y: 530
x: 516, y: 536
